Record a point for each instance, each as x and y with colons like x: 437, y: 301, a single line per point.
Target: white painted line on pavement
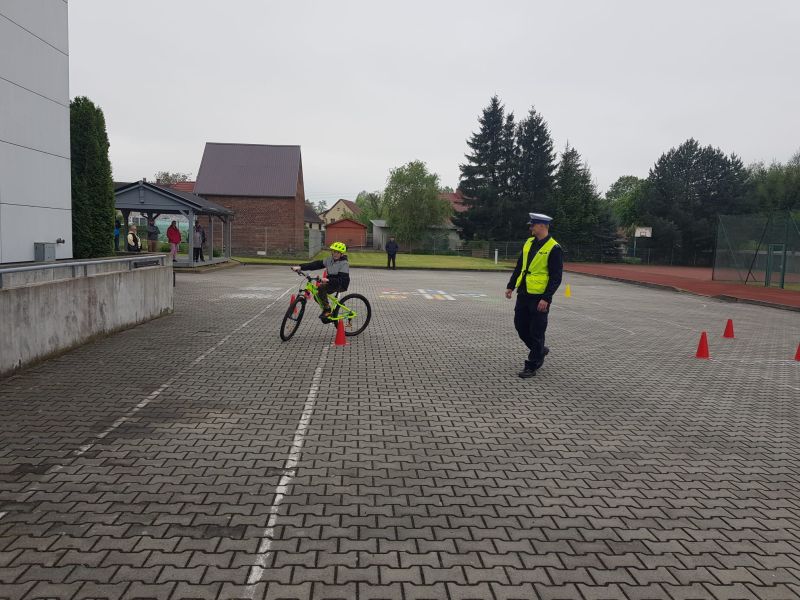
x: 290, y: 470
x: 86, y: 447
x: 126, y: 417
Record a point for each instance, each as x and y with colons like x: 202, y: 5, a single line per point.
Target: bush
x: 631, y: 260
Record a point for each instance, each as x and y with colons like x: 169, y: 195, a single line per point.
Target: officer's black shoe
x: 526, y: 373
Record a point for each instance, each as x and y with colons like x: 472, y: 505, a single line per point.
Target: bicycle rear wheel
x: 358, y: 313
x: 291, y: 320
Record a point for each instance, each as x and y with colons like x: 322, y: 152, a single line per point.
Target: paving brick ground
x: 158, y: 463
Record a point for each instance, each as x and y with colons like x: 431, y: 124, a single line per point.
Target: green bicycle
x: 353, y: 309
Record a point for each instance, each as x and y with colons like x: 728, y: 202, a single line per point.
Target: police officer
x: 536, y: 278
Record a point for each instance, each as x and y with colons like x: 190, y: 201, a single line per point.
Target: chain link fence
x: 509, y: 250
x: 759, y: 250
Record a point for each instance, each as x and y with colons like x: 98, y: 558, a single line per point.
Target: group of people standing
x: 133, y: 242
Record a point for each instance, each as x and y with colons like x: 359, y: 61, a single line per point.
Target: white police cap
x: 539, y: 218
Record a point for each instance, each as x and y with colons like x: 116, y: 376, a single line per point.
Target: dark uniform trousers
x: 531, y: 325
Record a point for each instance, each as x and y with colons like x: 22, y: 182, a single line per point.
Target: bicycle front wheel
x: 291, y: 320
x: 357, y: 313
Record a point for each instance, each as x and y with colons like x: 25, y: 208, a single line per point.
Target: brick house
x: 352, y: 233
x: 263, y: 185
x: 341, y: 209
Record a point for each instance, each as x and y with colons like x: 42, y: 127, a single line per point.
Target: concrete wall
x: 35, y: 194
x: 45, y: 318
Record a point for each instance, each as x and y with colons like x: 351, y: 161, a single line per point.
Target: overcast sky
x: 364, y: 87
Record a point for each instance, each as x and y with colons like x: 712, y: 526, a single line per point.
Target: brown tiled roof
x: 181, y: 186
x: 352, y: 206
x: 348, y: 204
x: 456, y: 200
x: 248, y: 170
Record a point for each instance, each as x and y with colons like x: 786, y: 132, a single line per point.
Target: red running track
x: 695, y: 280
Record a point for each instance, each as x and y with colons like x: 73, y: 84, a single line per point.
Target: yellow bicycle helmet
x: 338, y: 247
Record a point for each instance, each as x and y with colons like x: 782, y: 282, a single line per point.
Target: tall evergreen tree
x: 536, y: 166
x: 487, y: 176
x: 688, y: 187
x: 582, y: 225
x: 92, y: 184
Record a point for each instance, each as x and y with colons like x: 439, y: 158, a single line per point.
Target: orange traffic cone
x: 702, y: 347
x: 341, y: 340
x: 728, y: 329
x: 797, y: 354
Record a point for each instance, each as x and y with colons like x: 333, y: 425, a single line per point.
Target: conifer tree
x: 582, y: 226
x: 92, y: 185
x: 688, y: 187
x: 536, y: 166
x: 487, y: 176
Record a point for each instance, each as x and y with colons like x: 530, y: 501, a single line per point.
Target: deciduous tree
x: 412, y: 202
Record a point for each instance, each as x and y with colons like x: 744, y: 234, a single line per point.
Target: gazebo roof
x: 143, y: 196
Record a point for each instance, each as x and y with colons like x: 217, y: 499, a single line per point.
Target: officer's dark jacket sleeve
x: 312, y: 266
x: 512, y: 283
x: 555, y: 267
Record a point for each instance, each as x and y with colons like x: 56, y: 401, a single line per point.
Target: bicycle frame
x: 311, y: 289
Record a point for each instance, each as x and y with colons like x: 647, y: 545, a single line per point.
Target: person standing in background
x: 391, y: 253
x: 152, y: 234
x: 117, y: 228
x: 134, y: 244
x: 174, y: 238
x: 197, y: 242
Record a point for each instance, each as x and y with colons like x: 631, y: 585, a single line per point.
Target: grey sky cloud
x: 365, y: 87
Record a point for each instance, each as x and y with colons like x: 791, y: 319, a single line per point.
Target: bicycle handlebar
x: 307, y: 276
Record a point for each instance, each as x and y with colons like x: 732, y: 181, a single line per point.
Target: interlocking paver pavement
x: 197, y: 456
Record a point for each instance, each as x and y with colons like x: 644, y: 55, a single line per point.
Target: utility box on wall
x: 44, y: 251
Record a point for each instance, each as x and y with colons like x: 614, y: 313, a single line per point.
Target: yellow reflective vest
x: 536, y: 275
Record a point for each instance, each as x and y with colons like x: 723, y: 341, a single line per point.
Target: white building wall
x: 35, y: 194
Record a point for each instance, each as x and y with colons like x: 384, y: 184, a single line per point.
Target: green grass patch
x: 404, y: 261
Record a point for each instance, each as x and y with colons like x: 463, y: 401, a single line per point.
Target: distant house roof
x: 311, y: 216
x: 456, y: 200
x: 348, y: 204
x: 378, y: 222
x: 248, y: 170
x: 173, y: 197
x: 181, y: 186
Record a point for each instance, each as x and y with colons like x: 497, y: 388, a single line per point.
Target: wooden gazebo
x: 151, y: 199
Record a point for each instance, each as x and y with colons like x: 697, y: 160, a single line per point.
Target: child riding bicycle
x: 338, y: 269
